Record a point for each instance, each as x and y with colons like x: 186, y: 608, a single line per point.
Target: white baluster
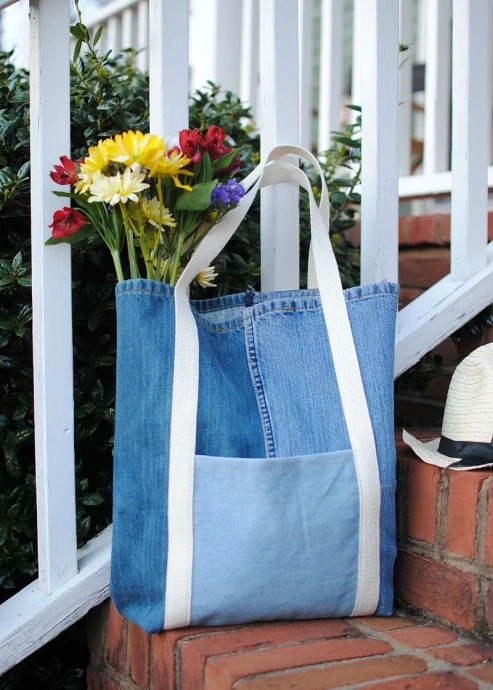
x: 469, y: 136
x: 143, y: 35
x: 168, y: 66
x: 279, y: 114
x: 250, y: 55
x: 405, y: 87
x: 305, y: 27
x: 128, y: 28
x: 380, y: 137
x: 52, y: 305
x: 331, y: 62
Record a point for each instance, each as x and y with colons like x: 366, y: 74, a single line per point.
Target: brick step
x: 397, y: 653
x: 444, y: 573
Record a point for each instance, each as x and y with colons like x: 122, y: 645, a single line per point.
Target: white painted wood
x: 380, y: 152
x: 279, y: 112
x: 30, y: 619
x: 226, y: 42
x: 7, y: 3
x: 440, y: 311
x: 128, y: 28
x: 52, y: 303
x: 437, y: 87
x: 436, y: 184
x: 331, y: 64
x: 359, y: 30
x: 305, y: 31
x: 469, y: 137
x: 405, y: 87
x: 249, y: 77
x: 168, y: 66
x: 113, y: 34
x: 94, y: 17
x: 143, y: 35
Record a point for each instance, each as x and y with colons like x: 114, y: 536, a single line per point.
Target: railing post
x: 168, y: 66
x: 279, y: 114
x: 405, y: 87
x: 52, y: 305
x: 249, y: 55
x: 380, y: 137
x: 330, y: 83
x: 437, y: 87
x: 470, y: 55
x: 305, y: 26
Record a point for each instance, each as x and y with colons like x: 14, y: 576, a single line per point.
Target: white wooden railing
x: 70, y: 581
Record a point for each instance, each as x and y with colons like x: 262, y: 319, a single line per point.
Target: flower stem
x: 118, y: 266
x: 177, y: 258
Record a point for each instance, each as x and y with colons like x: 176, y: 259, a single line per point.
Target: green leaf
x: 77, y: 49
x: 4, y: 534
x: 207, y: 169
x: 14, y: 511
x: 199, y: 199
x: 92, y: 499
x: 350, y: 143
x: 17, y: 261
x: 98, y: 35
x: 77, y: 32
x: 354, y: 107
x: 23, y: 170
x: 25, y: 281
x: 223, y: 162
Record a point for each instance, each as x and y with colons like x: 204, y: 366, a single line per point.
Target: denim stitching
x: 259, y: 390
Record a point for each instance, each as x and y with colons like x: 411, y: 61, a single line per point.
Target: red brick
x: 336, y: 675
x: 222, y: 672
x: 437, y: 588
x: 421, y: 636
x: 421, y: 268
x: 462, y: 510
x: 430, y: 681
x: 488, y: 547
x: 163, y: 656
x: 422, y: 496
x: 490, y: 606
x: 424, y: 229
x: 97, y: 680
x: 483, y: 672
x: 386, y: 622
x: 464, y: 654
x: 139, y: 647
x: 194, y: 652
x: 404, y: 225
x: 96, y: 630
x: 116, y: 638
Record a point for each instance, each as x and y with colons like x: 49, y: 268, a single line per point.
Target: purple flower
x: 228, y: 194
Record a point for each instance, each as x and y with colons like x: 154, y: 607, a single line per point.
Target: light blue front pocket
x: 274, y: 538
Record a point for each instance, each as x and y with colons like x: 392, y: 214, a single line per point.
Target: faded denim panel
x: 145, y: 346
x: 274, y: 538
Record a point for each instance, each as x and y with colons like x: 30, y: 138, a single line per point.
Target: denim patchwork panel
x: 268, y: 399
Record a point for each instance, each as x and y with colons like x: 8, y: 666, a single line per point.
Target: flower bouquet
x: 158, y: 200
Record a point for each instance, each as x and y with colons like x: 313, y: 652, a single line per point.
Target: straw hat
x: 467, y: 431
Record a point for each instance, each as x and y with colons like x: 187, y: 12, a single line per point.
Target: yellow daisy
x: 205, y: 277
x: 171, y: 166
x: 118, y: 188
x: 95, y: 162
x: 135, y: 147
x: 156, y: 214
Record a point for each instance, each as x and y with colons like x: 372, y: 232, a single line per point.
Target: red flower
x: 212, y: 142
x: 190, y: 144
x: 64, y: 173
x: 66, y: 222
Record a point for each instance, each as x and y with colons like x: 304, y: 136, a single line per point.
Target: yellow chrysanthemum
x: 156, y: 214
x: 95, y: 162
x: 171, y: 165
x: 118, y: 188
x: 135, y: 147
x: 205, y: 277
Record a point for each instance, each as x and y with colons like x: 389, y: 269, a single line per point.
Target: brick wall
x: 445, y: 538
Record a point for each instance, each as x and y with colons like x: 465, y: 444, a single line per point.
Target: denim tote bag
x: 254, y: 469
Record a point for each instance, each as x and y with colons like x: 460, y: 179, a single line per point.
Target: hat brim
x: 428, y: 452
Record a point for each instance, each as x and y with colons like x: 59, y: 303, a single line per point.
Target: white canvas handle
x: 185, y: 400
